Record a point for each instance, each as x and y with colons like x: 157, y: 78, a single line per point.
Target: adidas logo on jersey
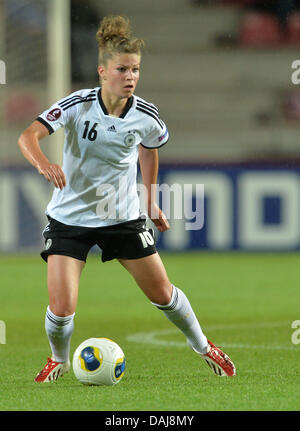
x: 111, y: 129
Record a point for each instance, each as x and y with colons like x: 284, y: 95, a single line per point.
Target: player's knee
x: 62, y: 311
x: 162, y: 295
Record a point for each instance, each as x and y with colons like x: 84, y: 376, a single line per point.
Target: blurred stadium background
x: 220, y: 73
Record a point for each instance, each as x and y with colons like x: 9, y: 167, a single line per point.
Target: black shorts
x: 129, y: 240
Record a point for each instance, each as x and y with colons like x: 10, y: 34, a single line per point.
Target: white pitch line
x: 257, y: 325
x: 150, y: 338
x: 153, y: 337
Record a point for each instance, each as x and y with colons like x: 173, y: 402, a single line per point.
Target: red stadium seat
x: 293, y: 29
x: 21, y: 106
x: 259, y: 30
x: 291, y: 107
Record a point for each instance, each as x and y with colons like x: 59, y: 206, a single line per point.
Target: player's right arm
x: 29, y: 143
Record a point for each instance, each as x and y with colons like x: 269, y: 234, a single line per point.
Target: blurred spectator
x: 25, y: 39
x: 282, y: 9
x: 84, y: 23
x: 263, y: 23
x: 29, y: 14
x: 270, y: 23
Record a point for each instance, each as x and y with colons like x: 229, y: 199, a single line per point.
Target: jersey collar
x: 125, y: 110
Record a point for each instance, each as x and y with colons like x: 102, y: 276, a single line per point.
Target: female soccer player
x: 95, y: 200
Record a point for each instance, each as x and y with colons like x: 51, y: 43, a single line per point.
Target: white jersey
x: 100, y: 157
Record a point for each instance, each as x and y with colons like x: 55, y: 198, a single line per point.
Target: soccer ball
x: 99, y: 361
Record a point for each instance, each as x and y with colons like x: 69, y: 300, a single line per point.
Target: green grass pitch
x: 244, y: 302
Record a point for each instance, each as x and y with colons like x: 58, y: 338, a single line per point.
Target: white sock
x: 59, y: 331
x: 180, y: 312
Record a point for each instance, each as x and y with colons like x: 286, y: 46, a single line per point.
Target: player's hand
x: 158, y: 218
x: 53, y: 173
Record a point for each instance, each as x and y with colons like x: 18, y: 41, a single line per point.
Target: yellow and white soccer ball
x: 99, y: 361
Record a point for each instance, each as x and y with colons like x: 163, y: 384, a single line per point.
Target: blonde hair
x: 114, y: 36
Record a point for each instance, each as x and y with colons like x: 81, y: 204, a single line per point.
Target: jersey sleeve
x: 55, y: 117
x: 157, y: 136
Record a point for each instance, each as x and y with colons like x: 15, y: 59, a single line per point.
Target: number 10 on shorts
x: 146, y: 238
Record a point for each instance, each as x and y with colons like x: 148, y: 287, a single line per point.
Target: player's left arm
x: 149, y: 161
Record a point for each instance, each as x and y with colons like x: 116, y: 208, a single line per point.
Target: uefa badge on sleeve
x: 54, y: 114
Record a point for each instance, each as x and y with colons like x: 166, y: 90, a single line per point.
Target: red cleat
x: 218, y: 361
x: 52, y: 371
